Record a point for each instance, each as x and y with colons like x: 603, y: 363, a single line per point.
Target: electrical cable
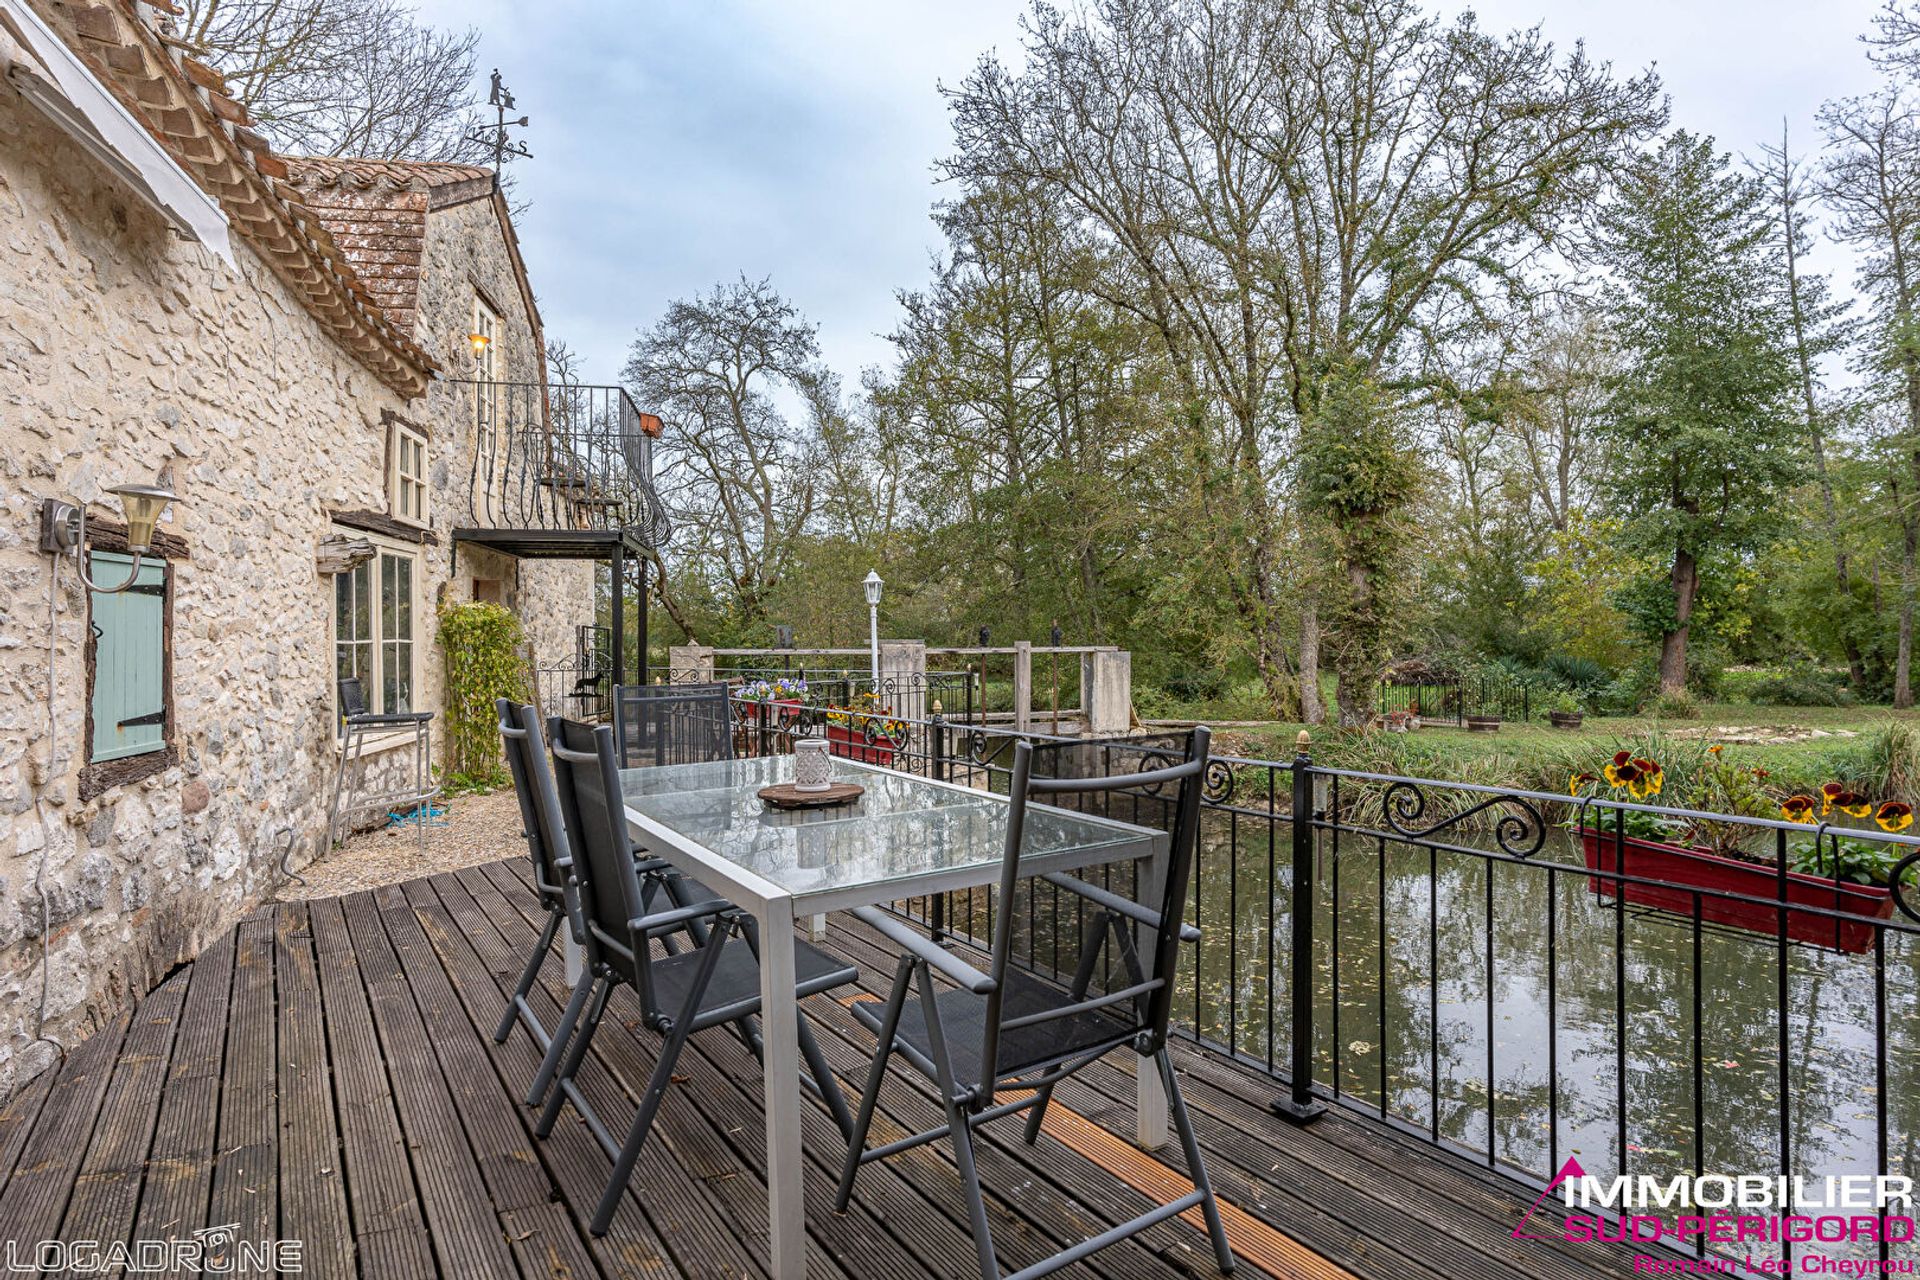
x: 40, y: 1035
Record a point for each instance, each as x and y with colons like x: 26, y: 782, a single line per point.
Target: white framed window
x: 374, y: 615
x: 407, y: 475
x: 487, y: 363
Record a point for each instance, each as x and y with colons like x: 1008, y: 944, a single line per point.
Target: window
x: 373, y: 619
x: 127, y: 639
x: 486, y: 365
x: 407, y: 475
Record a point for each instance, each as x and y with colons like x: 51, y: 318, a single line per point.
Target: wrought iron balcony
x: 560, y: 457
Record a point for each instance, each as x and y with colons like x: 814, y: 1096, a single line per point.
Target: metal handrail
x: 561, y: 456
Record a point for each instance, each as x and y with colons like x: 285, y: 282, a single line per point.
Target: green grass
x: 1874, y: 745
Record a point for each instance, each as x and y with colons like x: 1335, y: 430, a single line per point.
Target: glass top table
x: 906, y: 836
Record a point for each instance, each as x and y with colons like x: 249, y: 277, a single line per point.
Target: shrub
x: 1582, y: 675
x: 1202, y: 685
x: 1798, y: 687
x: 1672, y: 706
x: 482, y: 647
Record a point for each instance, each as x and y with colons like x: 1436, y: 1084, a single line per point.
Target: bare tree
x: 344, y: 77
x: 737, y: 470
x: 1819, y: 329
x: 1871, y: 182
x: 1300, y: 188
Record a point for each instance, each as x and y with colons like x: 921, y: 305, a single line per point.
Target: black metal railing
x: 1458, y: 699
x: 1512, y: 976
x: 560, y: 456
x: 828, y: 687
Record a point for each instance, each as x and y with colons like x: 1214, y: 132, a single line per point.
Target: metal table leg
x: 780, y: 1029
x: 1150, y: 1096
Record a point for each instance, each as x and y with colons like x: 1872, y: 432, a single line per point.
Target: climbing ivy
x: 482, y: 647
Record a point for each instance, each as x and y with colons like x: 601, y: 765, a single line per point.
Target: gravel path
x: 478, y: 829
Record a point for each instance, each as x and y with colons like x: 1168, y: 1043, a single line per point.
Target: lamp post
x: 872, y: 583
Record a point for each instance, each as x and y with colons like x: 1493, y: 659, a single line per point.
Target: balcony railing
x: 1510, y: 976
x: 568, y: 456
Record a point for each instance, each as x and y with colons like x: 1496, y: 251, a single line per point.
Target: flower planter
x: 789, y: 708
x: 1690, y: 869
x: 1565, y: 719
x: 1483, y: 724
x: 853, y: 744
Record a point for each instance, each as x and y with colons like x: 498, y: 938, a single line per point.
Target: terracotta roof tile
x: 375, y: 211
x: 180, y: 102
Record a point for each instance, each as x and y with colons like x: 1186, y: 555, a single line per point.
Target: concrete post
x: 1109, y: 693
x: 690, y: 663
x: 903, y: 677
x: 1022, y: 685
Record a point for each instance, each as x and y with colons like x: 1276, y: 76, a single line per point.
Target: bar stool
x: 350, y: 794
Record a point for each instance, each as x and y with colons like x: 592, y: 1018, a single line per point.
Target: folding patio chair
x: 666, y: 724
x: 710, y: 985
x: 659, y: 724
x: 526, y: 750
x: 1013, y: 1030
x: 526, y: 761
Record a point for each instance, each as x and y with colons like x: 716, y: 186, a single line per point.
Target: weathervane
x: 500, y: 98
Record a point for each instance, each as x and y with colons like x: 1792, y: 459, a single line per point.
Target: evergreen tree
x: 1702, y: 435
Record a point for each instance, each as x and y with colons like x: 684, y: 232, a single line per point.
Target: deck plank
x: 17, y: 1119
x: 42, y: 1183
x: 326, y: 1072
x: 313, y: 1196
x: 246, y: 1170
x: 905, y: 1110
x: 678, y: 1196
x: 179, y: 1172
x: 389, y: 1226
x: 467, y: 1240
x: 106, y: 1191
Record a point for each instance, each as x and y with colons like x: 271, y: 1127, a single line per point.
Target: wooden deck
x: 326, y: 1073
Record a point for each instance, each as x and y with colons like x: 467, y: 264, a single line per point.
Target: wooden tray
x: 785, y: 796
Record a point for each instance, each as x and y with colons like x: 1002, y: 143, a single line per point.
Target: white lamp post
x: 872, y: 583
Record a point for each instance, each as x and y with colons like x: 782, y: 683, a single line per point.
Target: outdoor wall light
x: 479, y: 342
x: 63, y: 528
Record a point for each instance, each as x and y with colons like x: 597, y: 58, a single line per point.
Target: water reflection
x: 1507, y: 1010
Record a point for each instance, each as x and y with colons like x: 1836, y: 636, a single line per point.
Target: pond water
x: 1449, y: 1015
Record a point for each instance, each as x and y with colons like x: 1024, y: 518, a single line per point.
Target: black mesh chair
x: 663, y: 724
x: 713, y: 984
x: 526, y: 748
x: 1011, y: 1029
x: 659, y: 724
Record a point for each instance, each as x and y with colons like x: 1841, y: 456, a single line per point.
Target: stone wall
x: 465, y: 252
x: 126, y: 352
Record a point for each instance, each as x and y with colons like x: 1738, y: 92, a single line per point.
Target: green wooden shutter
x: 129, y: 660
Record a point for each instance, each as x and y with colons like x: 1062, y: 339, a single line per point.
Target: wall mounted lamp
x: 63, y: 528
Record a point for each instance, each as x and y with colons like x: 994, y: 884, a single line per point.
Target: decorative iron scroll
x: 977, y: 751
x: 1218, y: 785
x: 1896, y: 881
x: 1520, y: 834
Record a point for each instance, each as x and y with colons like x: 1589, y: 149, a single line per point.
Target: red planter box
x: 853, y: 744
x: 1688, y: 869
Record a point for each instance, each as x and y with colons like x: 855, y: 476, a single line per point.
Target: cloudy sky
x: 678, y: 143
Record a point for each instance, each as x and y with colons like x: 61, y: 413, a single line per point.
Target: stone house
x: 338, y: 366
